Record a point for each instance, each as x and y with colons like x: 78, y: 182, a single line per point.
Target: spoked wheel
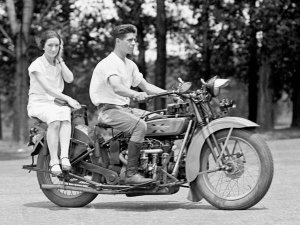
x: 64, y: 198
x: 246, y: 173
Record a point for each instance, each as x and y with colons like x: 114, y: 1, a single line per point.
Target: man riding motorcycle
x: 110, y: 92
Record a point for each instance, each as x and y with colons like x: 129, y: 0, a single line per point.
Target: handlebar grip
x: 150, y: 97
x: 142, y: 101
x: 161, y: 95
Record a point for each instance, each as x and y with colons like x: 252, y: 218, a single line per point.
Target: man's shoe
x: 137, y: 179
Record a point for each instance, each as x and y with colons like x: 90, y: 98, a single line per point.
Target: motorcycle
x: 190, y: 144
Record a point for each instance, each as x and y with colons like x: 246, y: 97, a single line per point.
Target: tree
x: 1, y: 134
x: 265, y: 117
x: 207, y: 44
x: 218, y: 41
x: 252, y: 72
x: 295, y: 47
x: 296, y: 93
x: 20, y: 30
x: 161, y: 60
x: 277, y: 53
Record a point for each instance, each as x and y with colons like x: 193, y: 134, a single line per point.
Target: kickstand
x: 31, y: 166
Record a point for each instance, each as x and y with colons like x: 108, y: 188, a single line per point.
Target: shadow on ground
x: 135, y: 206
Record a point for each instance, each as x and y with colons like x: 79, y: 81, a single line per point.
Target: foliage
x: 6, y: 59
x: 204, y: 38
x: 218, y: 45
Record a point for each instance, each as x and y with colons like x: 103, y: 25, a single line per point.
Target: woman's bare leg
x: 64, y: 137
x: 52, y: 141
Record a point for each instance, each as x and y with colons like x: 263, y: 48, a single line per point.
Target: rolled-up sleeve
x: 108, y: 71
x: 35, y: 67
x: 137, y: 77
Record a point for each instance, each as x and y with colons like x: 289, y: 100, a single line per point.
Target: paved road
x: 22, y: 202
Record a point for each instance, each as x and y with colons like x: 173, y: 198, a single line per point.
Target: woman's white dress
x: 41, y: 104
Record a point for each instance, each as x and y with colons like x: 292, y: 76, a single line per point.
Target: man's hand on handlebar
x: 141, y: 96
x: 177, y: 99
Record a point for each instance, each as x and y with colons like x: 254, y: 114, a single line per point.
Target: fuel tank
x: 167, y: 126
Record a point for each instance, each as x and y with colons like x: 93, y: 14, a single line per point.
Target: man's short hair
x: 121, y: 30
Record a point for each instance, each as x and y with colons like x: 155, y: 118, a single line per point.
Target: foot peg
x: 137, y: 179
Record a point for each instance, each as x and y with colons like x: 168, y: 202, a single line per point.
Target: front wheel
x: 246, y: 174
x: 60, y: 197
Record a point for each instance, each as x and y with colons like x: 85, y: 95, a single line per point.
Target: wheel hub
x: 235, y: 168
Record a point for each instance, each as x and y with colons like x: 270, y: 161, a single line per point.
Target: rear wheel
x: 64, y: 198
x: 247, y: 173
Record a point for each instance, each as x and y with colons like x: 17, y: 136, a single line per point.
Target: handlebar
x: 157, y: 95
x: 167, y: 93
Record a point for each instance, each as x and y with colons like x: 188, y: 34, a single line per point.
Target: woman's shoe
x: 55, y: 169
x: 65, y: 164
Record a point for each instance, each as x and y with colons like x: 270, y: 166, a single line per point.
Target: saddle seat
x: 38, y: 122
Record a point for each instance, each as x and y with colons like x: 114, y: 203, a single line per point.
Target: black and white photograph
x: 167, y: 112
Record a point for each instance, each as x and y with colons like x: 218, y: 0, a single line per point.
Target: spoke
x: 222, y: 178
x: 226, y: 188
x: 244, y: 176
x: 231, y: 187
x: 238, y: 190
x: 242, y: 180
x: 241, y: 149
x: 234, y: 146
x: 250, y: 178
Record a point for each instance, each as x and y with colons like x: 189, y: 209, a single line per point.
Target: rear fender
x: 40, y: 146
x: 198, y: 140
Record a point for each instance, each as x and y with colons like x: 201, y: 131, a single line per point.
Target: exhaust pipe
x: 123, y: 190
x: 70, y: 188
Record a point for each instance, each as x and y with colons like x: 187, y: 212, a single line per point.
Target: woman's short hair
x: 47, y: 35
x: 121, y: 30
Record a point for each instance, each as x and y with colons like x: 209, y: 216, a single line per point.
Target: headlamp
x: 215, y: 84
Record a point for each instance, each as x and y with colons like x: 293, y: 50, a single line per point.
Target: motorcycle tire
x: 251, y: 166
x: 57, y: 196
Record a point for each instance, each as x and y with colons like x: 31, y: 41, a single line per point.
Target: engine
x: 156, y: 156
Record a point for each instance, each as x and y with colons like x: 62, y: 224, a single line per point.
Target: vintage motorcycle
x: 190, y: 144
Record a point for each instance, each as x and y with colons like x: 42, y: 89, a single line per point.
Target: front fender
x: 193, y: 154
